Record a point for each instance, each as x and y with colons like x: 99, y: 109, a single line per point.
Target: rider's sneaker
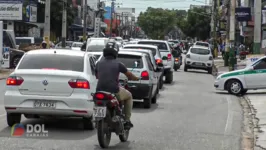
x: 128, y: 125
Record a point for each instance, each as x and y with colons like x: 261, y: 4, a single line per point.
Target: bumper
x: 77, y: 105
x: 218, y: 85
x: 140, y: 91
x: 199, y: 65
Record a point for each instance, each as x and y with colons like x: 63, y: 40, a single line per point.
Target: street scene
x: 117, y: 74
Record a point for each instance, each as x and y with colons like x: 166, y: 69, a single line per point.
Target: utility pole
x: 111, y: 23
x: 47, y: 22
x: 232, y: 56
x: 227, y: 47
x: 257, y: 27
x: 84, y: 19
x: 64, y: 23
x: 215, y: 29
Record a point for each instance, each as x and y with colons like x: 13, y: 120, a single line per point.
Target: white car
x: 240, y: 81
x: 199, y: 57
x: 51, y: 83
x: 76, y: 46
x: 97, y: 55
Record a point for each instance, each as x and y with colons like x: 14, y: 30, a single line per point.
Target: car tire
x: 147, y: 101
x: 234, y: 87
x: 88, y: 123
x: 185, y: 68
x: 154, y: 98
x: 13, y: 119
x: 209, y: 70
x: 169, y: 77
x: 161, y: 82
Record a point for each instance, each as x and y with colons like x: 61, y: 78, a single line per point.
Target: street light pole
x: 84, y: 19
x: 64, y: 23
x: 112, y: 11
x: 232, y: 57
x: 47, y: 22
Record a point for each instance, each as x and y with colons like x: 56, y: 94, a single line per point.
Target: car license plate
x: 44, y: 104
x: 199, y: 64
x: 99, y: 112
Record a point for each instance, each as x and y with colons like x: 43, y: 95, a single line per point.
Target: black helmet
x: 111, y: 49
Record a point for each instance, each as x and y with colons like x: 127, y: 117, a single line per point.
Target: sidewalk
x: 257, y: 102
x: 4, y: 73
x: 219, y: 66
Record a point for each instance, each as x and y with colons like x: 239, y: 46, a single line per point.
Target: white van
x: 28, y: 40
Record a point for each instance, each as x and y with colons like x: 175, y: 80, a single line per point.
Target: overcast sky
x: 141, y: 5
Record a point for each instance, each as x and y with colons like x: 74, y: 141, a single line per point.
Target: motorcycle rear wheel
x: 103, y: 133
x: 124, y: 137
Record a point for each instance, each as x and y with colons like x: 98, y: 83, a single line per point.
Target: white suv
x: 199, y: 57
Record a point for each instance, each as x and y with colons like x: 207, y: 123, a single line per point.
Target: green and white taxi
x: 240, y: 81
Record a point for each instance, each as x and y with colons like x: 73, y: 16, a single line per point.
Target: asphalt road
x: 189, y: 116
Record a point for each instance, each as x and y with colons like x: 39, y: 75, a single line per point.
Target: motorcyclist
x: 44, y: 45
x: 107, y: 72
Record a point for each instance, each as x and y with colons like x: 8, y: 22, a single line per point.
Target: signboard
x: 243, y: 14
x: 97, y: 27
x: 252, y: 58
x: 6, y: 57
x: 33, y: 13
x: 10, y: 10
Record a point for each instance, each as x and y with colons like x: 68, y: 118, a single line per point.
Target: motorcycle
x: 177, y: 54
x: 109, y: 116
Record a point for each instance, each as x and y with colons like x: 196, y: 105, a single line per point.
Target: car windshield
x: 145, y: 48
x: 129, y: 60
x: 202, y: 44
x: 60, y: 62
x: 200, y: 51
x: 95, y: 48
x: 161, y: 46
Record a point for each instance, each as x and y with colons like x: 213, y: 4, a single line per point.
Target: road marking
x: 229, y: 122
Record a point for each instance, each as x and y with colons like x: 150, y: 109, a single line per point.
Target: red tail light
x: 79, y: 84
x: 101, y: 96
x: 158, y: 61
x: 169, y: 57
x: 14, y: 81
x: 176, y: 59
x: 145, y: 75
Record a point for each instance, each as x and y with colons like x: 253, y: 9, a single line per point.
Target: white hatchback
x: 51, y: 83
x: 199, y: 57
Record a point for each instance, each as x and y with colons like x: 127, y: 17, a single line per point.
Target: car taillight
x: 158, y: 61
x: 79, y: 84
x: 169, y: 57
x: 188, y: 56
x: 145, y: 75
x: 14, y: 81
x: 176, y: 59
x: 210, y: 58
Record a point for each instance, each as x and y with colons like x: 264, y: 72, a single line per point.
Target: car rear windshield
x: 95, y: 48
x: 60, y: 62
x: 202, y: 44
x: 146, y: 48
x: 161, y: 46
x: 200, y: 51
x: 129, y: 60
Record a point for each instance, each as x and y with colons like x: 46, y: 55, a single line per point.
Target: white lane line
x: 228, y: 124
x: 229, y: 121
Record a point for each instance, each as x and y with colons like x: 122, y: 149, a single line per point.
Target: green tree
x: 156, y: 22
x: 196, y: 24
x: 56, y: 15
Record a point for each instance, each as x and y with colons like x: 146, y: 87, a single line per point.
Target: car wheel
x: 185, y: 68
x: 234, y: 87
x: 161, y: 82
x: 154, y: 99
x: 88, y: 123
x: 169, y: 77
x: 147, y: 101
x: 209, y: 70
x: 15, y: 61
x: 13, y: 119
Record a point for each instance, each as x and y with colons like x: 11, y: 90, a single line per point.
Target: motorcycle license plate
x: 176, y: 62
x: 99, y: 112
